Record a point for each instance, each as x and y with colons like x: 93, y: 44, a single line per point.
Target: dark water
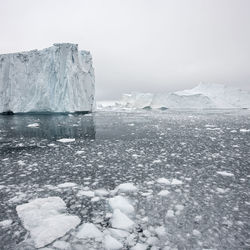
x: 210, y: 210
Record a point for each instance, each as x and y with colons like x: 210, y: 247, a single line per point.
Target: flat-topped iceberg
x: 202, y: 96
x: 56, y: 79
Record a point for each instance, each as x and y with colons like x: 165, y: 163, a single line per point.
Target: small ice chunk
x: 243, y: 130
x: 111, y: 243
x: 164, y: 193
x: 163, y: 181
x: 179, y: 207
x: 118, y: 233
x: 86, y: 193
x: 126, y: 188
x: 65, y: 140
x: 122, y: 204
x: 79, y: 152
x: 221, y: 190
x: 95, y: 199
x: 224, y: 173
x: 5, y: 223
x: 176, y: 182
x: 89, y: 230
x: 160, y: 231
x: 61, y: 244
x: 66, y: 185
x: 139, y: 246
x: 157, y: 161
x: 101, y: 192
x: 33, y: 125
x: 46, y: 219
x: 196, y: 233
x: 121, y: 221
x: 170, y: 213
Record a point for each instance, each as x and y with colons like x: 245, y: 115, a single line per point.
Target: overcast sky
x: 139, y: 45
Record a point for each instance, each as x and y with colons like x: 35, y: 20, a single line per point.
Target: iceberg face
x: 203, y: 96
x: 55, y: 79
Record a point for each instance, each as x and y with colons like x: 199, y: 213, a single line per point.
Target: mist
x: 143, y: 45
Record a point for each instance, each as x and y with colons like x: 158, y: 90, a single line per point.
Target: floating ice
x: 62, y: 245
x: 89, y: 230
x: 86, y: 193
x: 121, y: 221
x: 101, y: 192
x: 118, y: 233
x: 176, y: 182
x: 140, y: 246
x: 65, y: 140
x: 163, y: 181
x: 111, y: 243
x: 164, y: 193
x: 33, y: 125
x: 243, y: 130
x: 5, y: 223
x: 46, y: 219
x: 224, y: 173
x: 67, y: 185
x: 126, y: 188
x: 55, y: 79
x: 122, y: 204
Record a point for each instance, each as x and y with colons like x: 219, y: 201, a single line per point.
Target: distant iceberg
x: 56, y: 79
x: 203, y: 96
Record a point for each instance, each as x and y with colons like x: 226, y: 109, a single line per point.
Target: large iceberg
x: 203, y: 96
x: 56, y: 79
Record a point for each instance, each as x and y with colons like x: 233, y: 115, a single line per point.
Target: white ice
x: 121, y: 221
x: 111, y: 243
x: 46, y: 219
x: 33, y: 125
x: 202, y: 96
x: 56, y: 79
x: 121, y: 203
x: 65, y: 140
x: 224, y: 173
x: 126, y: 188
x: 89, y: 230
x: 67, y: 185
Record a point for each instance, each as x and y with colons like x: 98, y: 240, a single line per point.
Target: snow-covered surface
x: 203, y: 96
x: 46, y: 219
x: 56, y: 79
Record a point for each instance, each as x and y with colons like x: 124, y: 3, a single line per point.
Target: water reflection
x: 50, y: 126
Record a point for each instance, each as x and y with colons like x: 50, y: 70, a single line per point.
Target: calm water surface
x: 208, y: 210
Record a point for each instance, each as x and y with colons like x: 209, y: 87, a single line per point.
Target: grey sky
x: 141, y: 45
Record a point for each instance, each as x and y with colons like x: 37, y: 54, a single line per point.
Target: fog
x: 139, y: 45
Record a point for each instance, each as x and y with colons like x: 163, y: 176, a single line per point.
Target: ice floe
x: 46, y: 219
x: 89, y: 230
x: 121, y: 203
x: 111, y: 243
x: 121, y: 221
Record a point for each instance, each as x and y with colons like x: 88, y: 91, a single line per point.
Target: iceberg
x: 56, y: 79
x: 203, y: 96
